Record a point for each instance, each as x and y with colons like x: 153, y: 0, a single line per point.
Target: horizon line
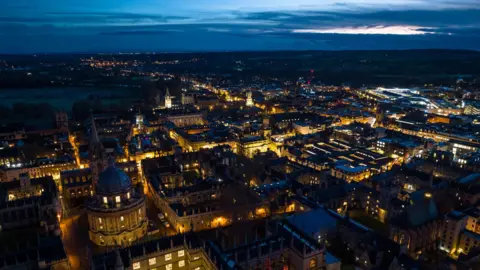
x: 229, y: 51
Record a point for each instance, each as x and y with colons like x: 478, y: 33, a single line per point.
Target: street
x: 152, y: 214
x: 75, y: 240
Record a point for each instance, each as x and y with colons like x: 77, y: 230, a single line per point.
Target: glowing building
x: 116, y: 212
x: 168, y: 100
x: 249, y: 99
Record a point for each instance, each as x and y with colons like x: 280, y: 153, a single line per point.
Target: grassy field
x: 63, y: 98
x: 374, y: 224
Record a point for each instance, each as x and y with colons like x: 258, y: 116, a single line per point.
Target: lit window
x: 168, y: 257
x: 197, y: 268
x: 121, y: 218
x: 169, y: 266
x: 181, y: 263
x: 128, y: 195
x: 117, y: 199
x: 136, y: 265
x: 100, y: 220
x: 152, y: 261
x: 105, y: 200
x: 181, y: 253
x: 196, y: 258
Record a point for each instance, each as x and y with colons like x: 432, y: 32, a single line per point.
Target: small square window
x: 168, y: 257
x: 136, y: 265
x: 117, y: 199
x: 181, y: 263
x: 152, y: 261
x: 181, y: 253
x: 169, y: 266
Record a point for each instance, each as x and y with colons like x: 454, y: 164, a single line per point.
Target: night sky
x: 35, y: 26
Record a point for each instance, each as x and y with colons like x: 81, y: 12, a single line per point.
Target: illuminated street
x: 75, y: 240
x: 72, y: 141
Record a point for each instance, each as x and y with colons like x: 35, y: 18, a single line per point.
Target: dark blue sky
x: 30, y: 26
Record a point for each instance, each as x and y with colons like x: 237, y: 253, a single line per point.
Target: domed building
x: 116, y: 212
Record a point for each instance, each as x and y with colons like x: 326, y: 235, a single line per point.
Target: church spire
x: 168, y: 100
x: 97, y: 154
x: 94, y: 134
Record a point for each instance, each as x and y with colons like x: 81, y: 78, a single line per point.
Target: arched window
x: 312, y: 264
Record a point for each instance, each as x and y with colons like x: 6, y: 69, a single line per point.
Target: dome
x: 113, y: 180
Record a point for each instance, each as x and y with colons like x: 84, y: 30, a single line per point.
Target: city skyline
x: 30, y: 26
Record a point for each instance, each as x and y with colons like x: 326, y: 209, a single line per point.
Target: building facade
x: 116, y: 212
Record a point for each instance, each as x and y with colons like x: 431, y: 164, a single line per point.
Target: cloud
x: 140, y: 32
x: 282, y: 24
x: 374, y: 30
x: 100, y: 19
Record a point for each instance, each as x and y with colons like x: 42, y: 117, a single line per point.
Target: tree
x: 81, y: 110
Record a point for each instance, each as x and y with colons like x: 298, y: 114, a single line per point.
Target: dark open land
x: 356, y: 68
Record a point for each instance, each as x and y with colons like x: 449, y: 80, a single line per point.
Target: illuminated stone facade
x: 175, y: 252
x: 195, y: 138
x: 252, y: 145
x: 182, y: 120
x: 168, y: 100
x: 249, y: 101
x: 116, y: 213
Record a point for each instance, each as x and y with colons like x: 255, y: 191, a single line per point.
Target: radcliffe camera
x: 240, y: 135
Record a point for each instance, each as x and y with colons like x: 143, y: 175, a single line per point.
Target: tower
x: 379, y: 115
x: 168, y: 100
x: 61, y: 120
x: 139, y: 120
x: 249, y: 99
x: 98, y: 158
